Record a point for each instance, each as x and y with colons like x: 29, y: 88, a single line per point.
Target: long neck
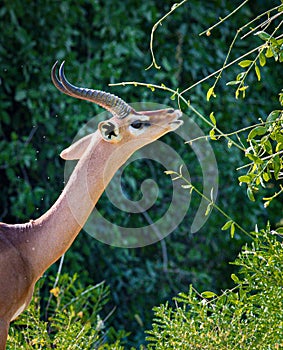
x: 53, y: 233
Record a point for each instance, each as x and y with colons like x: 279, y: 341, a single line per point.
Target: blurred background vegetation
x: 108, y: 42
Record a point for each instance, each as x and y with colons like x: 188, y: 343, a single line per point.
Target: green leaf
x: 259, y: 130
x: 235, y: 278
x: 208, y: 209
x: 212, y: 118
x: 240, y: 76
x: 173, y: 97
x: 233, y: 82
x: 276, y: 166
x: 257, y: 71
x: 266, y: 177
x: 208, y: 295
x: 273, y: 115
x: 262, y: 59
x: 210, y: 93
x: 263, y: 35
x: 243, y: 90
x: 232, y: 230
x: 245, y: 178
x: 279, y: 230
x: 212, y: 134
x: 227, y: 225
x: 269, y: 52
x: 245, y: 63
x: 254, y: 158
x: 250, y: 194
x: 266, y: 144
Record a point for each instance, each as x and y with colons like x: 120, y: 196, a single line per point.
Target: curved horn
x: 57, y: 82
x: 110, y: 102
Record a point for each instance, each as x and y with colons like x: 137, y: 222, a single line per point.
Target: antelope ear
x: 110, y: 131
x: 77, y: 149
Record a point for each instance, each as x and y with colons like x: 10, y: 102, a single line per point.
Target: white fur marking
x: 19, y: 311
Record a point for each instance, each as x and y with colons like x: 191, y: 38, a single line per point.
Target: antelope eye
x: 137, y: 124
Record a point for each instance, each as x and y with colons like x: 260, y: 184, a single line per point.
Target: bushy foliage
x: 72, y: 317
x: 265, y: 154
x: 248, y: 316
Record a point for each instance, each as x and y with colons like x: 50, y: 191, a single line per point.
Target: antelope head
x: 126, y: 124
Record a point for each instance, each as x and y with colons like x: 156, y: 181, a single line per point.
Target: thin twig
x: 221, y: 69
x: 55, y: 284
x: 159, y: 22
x: 180, y: 97
x: 210, y: 202
x: 223, y: 19
x: 230, y: 133
x: 30, y: 136
x: 264, y: 158
x: 227, y: 65
x: 86, y: 291
x: 261, y: 25
x: 259, y: 16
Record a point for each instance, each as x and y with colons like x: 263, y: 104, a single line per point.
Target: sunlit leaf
x: 244, y: 178
x: 262, y: 59
x: 212, y: 118
x: 233, y: 82
x: 257, y: 70
x: 273, y: 115
x: 266, y: 177
x: 227, y: 225
x: 277, y: 165
x: 208, y: 209
x: 212, y: 134
x: 210, y: 93
x: 269, y: 52
x: 235, y: 278
x: 263, y: 35
x: 259, y: 130
x: 208, y: 295
x: 254, y: 158
x: 250, y: 194
x: 245, y: 63
x: 232, y: 230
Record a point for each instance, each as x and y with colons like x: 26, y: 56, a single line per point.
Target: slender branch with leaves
x: 264, y: 167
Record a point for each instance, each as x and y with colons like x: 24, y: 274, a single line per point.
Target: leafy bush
x: 71, y: 318
x: 248, y: 316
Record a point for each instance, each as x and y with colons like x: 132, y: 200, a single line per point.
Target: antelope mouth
x: 177, y: 122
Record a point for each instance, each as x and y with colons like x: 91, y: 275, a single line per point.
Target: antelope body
x: 27, y: 250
